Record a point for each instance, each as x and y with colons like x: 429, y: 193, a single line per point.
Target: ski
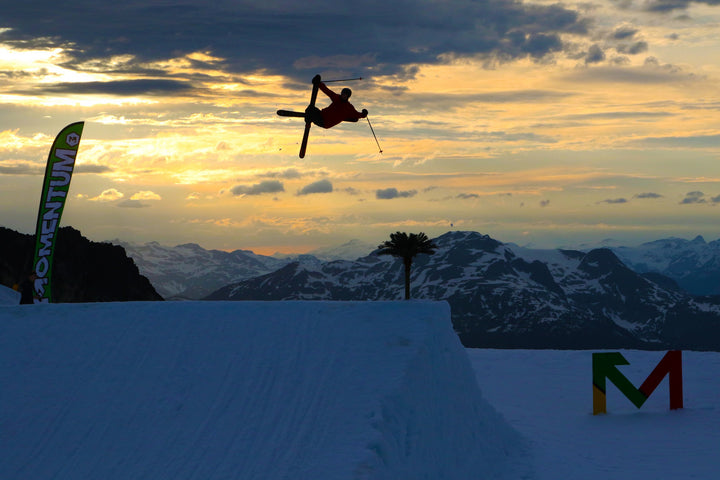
x: 288, y: 113
x: 308, y: 123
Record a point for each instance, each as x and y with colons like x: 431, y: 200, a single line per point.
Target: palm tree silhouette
x: 407, y: 247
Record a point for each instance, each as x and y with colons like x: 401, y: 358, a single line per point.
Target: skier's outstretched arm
x: 327, y: 91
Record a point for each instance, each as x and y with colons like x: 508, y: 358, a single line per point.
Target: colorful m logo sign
x: 605, y: 367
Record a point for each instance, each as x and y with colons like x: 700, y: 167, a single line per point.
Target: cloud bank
x: 273, y: 36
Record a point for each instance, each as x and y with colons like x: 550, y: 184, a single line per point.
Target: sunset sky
x: 538, y: 122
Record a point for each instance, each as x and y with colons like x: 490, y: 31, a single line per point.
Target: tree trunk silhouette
x: 407, y: 247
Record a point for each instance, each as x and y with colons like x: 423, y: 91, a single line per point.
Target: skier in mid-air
x: 339, y: 110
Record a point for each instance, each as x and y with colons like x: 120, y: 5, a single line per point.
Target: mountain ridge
x: 502, y: 295
x: 694, y: 265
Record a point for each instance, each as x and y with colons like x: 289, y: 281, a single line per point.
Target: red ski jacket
x: 339, y: 110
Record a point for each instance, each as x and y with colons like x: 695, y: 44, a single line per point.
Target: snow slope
x: 324, y: 390
x: 244, y: 390
x: 8, y: 296
x: 547, y: 396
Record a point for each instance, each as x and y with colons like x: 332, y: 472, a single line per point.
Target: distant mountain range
x: 693, y: 264
x: 347, y: 251
x: 502, y: 295
x: 191, y: 272
x: 656, y: 295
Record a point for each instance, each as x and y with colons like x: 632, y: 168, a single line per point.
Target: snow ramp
x: 244, y: 390
x: 8, y: 296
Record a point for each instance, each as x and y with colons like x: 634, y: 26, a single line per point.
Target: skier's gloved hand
x: 316, y: 79
x: 364, y: 112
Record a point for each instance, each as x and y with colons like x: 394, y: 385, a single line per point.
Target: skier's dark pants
x: 314, y: 115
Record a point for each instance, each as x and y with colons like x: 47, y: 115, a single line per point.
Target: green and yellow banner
x: 58, y: 172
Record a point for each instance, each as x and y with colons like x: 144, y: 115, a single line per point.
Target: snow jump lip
x: 266, y: 390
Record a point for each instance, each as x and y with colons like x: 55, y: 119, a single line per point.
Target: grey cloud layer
x: 267, y: 186
x: 321, y: 186
x: 391, y: 193
x: 294, y: 38
x: 672, y: 5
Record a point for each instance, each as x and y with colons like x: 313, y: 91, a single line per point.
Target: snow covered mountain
x: 191, y: 272
x: 693, y: 264
x: 503, y: 295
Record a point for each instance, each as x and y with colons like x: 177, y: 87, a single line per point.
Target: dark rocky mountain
x: 502, y: 295
x: 84, y: 271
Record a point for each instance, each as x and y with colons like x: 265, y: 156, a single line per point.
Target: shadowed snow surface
x: 245, y: 390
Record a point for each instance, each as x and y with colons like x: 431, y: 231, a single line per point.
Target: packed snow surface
x: 244, y: 390
x: 547, y: 396
x: 8, y: 296
x: 324, y: 390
